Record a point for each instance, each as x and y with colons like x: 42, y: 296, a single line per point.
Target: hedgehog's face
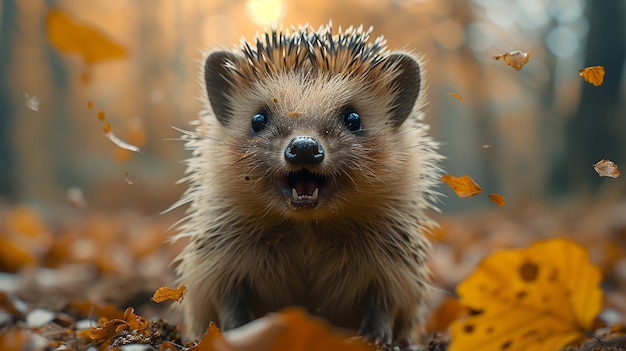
x: 311, y: 145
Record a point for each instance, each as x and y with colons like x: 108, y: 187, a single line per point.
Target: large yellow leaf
x: 69, y: 36
x: 540, y: 298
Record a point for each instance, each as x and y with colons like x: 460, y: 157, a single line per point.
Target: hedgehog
x: 310, y: 177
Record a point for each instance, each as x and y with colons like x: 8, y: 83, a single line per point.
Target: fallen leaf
x: 593, y: 75
x: 7, y: 305
x: 107, y: 330
x: 540, y: 298
x: 448, y: 311
x: 497, y: 199
x: 212, y: 340
x: 69, y: 36
x: 459, y: 97
x: 165, y: 293
x: 606, y: 168
x: 307, y: 333
x: 515, y: 59
x: 135, y: 322
x: 463, y: 186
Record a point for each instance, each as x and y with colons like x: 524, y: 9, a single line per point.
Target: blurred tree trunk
x: 597, y: 129
x: 7, y: 170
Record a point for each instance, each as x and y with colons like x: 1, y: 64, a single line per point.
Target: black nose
x: 304, y: 150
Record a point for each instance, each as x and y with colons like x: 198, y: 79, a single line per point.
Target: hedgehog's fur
x: 358, y: 256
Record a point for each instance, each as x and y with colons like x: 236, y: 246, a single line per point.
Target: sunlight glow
x: 265, y: 12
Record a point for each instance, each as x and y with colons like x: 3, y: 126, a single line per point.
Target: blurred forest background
x: 531, y: 135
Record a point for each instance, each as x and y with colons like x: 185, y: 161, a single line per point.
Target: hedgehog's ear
x: 218, y: 80
x: 406, y: 85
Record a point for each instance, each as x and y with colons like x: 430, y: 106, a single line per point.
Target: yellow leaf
x: 463, y: 186
x: 69, y: 36
x: 593, y: 75
x: 497, y: 199
x: 458, y: 96
x: 515, y: 59
x: 539, y: 298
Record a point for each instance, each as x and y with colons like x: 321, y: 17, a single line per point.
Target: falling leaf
x: 165, y: 293
x: 459, y: 97
x: 101, y: 115
x: 76, y: 197
x: 69, y: 36
x: 90, y: 105
x: 593, y: 75
x: 497, y: 199
x: 119, y: 142
x: 539, y: 298
x: 606, y: 168
x: 130, y: 182
x: 463, y: 186
x: 32, y: 102
x: 515, y: 59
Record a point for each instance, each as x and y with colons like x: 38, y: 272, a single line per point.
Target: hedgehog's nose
x: 304, y: 150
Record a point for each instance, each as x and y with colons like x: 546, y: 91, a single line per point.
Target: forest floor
x: 85, y: 281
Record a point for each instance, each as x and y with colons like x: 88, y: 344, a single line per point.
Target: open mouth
x: 303, y: 187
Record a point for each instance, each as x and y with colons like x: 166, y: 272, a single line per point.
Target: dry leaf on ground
x: 539, y: 298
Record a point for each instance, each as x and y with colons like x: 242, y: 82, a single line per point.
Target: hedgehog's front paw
x: 376, y: 325
x: 379, y: 333
x: 237, y: 311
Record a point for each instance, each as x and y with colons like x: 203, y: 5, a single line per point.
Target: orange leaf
x: 7, y: 305
x: 593, y: 75
x: 606, y: 168
x: 459, y: 97
x: 212, y: 340
x: 448, y: 311
x: 14, y: 340
x: 107, y: 330
x: 463, y: 186
x: 539, y: 298
x: 69, y: 36
x: 308, y: 333
x: 515, y: 59
x: 497, y: 199
x: 164, y: 293
x: 134, y: 321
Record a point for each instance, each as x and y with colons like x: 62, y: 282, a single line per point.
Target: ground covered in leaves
x: 535, y: 277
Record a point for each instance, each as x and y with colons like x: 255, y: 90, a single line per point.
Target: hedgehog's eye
x: 352, y: 121
x: 259, y: 121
